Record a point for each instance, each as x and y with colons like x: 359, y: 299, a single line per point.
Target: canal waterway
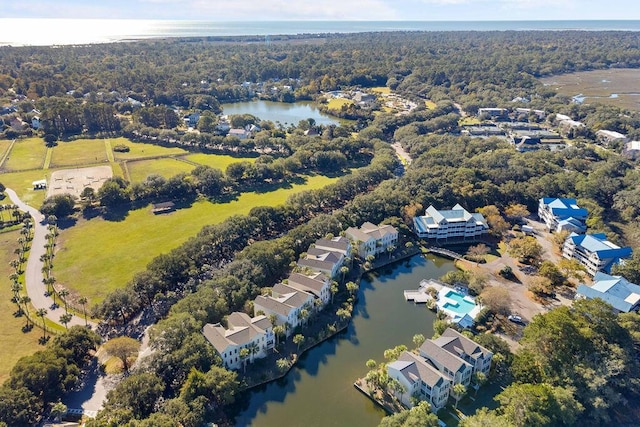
x: 282, y: 112
x: 319, y: 391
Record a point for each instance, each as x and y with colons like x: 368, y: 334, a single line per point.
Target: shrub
x: 121, y: 148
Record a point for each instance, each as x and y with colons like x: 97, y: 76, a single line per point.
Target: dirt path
x: 405, y: 158
x: 33, y: 272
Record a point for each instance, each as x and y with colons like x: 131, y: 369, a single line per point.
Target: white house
x: 239, y: 133
x: 447, y: 363
x: 254, y: 334
x: 372, y: 239
x: 456, y: 223
x: 466, y: 349
x: 286, y: 304
x: 562, y: 214
x: 607, y: 137
x: 322, y: 260
x: 419, y: 379
x: 623, y: 295
x: 594, y: 251
x: 335, y: 244
x: 315, y: 283
x: 632, y: 149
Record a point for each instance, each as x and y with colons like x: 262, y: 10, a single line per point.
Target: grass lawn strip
x: 96, y: 257
x: 109, y: 150
x: 217, y: 161
x: 47, y: 158
x: 140, y: 150
x: 79, y: 153
x: 21, y: 183
x: 167, y: 167
x: 26, y: 154
x: 5, y: 148
x: 15, y: 343
x: 337, y: 103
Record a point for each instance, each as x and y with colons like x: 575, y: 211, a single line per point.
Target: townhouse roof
x: 316, y: 264
x: 430, y: 350
x: 241, y: 330
x: 416, y: 369
x: 324, y: 255
x: 339, y: 244
x: 290, y: 295
x: 434, y: 216
x: 597, y: 243
x: 273, y: 305
x: 370, y: 231
x: 456, y: 343
x: 611, y: 134
x: 564, y: 208
x: 616, y: 290
x: 313, y: 283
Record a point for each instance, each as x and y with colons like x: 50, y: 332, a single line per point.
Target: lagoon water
x: 319, y: 391
x: 47, y: 32
x: 281, y: 112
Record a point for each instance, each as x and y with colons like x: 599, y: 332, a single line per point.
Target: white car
x: 515, y: 319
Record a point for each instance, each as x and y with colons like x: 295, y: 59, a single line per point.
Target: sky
x: 367, y: 10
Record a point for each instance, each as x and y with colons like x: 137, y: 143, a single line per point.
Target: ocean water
x: 48, y: 32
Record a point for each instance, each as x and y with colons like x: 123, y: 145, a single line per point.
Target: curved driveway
x: 33, y: 273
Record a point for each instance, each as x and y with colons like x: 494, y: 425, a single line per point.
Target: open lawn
x: 337, y: 103
x: 381, y: 89
x: 469, y: 121
x: 168, y: 167
x: 78, y: 153
x: 15, y: 343
x: 141, y: 150
x: 26, y: 154
x: 4, y: 146
x: 217, y: 161
x: 20, y: 182
x: 98, y: 256
x: 430, y: 104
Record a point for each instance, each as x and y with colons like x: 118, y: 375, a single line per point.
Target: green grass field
x: 469, y: 120
x: 15, y: 343
x: 430, y: 105
x: 217, y: 161
x: 140, y: 150
x: 20, y: 182
x: 79, y: 152
x: 381, y: 89
x: 4, y: 146
x: 337, y: 103
x: 97, y: 256
x: 139, y: 170
x: 26, y: 154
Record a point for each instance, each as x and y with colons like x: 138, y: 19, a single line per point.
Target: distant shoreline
x: 57, y: 32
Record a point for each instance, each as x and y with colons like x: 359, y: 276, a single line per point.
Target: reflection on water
x: 319, y: 390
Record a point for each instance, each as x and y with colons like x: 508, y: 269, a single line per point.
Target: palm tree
x: 25, y: 300
x: 333, y: 289
x: 458, y: 391
x: 344, y: 270
x: 42, y: 312
x: 254, y: 349
x: 63, y: 294
x: 244, y: 354
x: 16, y: 287
x: 298, y: 339
x: 83, y: 301
x: 390, y: 250
x: 66, y: 318
x: 352, y: 288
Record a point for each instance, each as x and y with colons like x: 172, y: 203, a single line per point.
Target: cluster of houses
x: 441, y: 363
x: 610, y: 137
x: 291, y: 302
x: 454, y: 224
x: 593, y: 251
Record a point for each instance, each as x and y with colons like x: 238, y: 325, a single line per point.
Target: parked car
x: 515, y: 319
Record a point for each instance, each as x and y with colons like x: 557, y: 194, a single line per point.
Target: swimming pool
x: 457, y: 303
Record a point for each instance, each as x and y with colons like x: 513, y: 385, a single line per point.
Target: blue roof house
x: 623, y: 295
x: 562, y: 214
x: 594, y: 251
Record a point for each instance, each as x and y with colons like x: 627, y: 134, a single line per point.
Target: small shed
x: 39, y: 185
x: 163, y: 207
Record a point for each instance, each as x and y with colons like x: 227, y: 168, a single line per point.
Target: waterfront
x: 281, y: 112
x: 319, y: 390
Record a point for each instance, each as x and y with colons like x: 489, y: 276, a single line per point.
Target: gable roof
x: 415, y: 369
x: 313, y: 283
x: 455, y: 214
x: 337, y: 244
x: 430, y: 350
x: 456, y: 343
x: 564, y: 208
x: 370, y: 231
x: 616, y: 290
x: 597, y: 243
x: 241, y: 330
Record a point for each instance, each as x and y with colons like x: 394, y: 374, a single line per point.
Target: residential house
x: 632, y: 150
x: 191, y: 120
x: 594, y: 251
x: 254, y: 334
x: 482, y: 131
x: 35, y: 122
x: 239, y: 133
x: 419, y: 379
x: 623, y: 295
x: 566, y: 124
x: 607, y: 137
x: 456, y: 223
x: 562, y: 214
x: 335, y: 244
x: 466, y: 349
x: 539, y: 113
x: 447, y: 363
x: 285, y: 303
x: 315, y: 283
x: 322, y: 260
x: 493, y: 113
x: 371, y: 239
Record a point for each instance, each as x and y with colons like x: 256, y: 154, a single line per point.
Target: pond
x: 282, y: 112
x: 319, y: 391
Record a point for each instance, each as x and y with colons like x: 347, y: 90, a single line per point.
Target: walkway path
x: 33, y: 273
x: 404, y: 157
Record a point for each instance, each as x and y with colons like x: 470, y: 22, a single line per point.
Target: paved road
x: 402, y: 154
x: 33, y: 273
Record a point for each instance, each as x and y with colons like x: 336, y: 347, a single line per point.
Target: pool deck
x: 421, y: 296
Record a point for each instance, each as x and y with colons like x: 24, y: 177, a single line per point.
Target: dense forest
x: 87, y: 90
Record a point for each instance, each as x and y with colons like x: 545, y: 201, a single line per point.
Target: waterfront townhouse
x: 466, y: 349
x: 286, y: 303
x: 456, y: 223
x: 594, y: 251
x: 322, y: 260
x: 623, y: 295
x: 419, y: 379
x: 315, y: 283
x: 372, y: 239
x: 242, y: 331
x: 447, y: 363
x: 336, y: 244
x: 562, y: 214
